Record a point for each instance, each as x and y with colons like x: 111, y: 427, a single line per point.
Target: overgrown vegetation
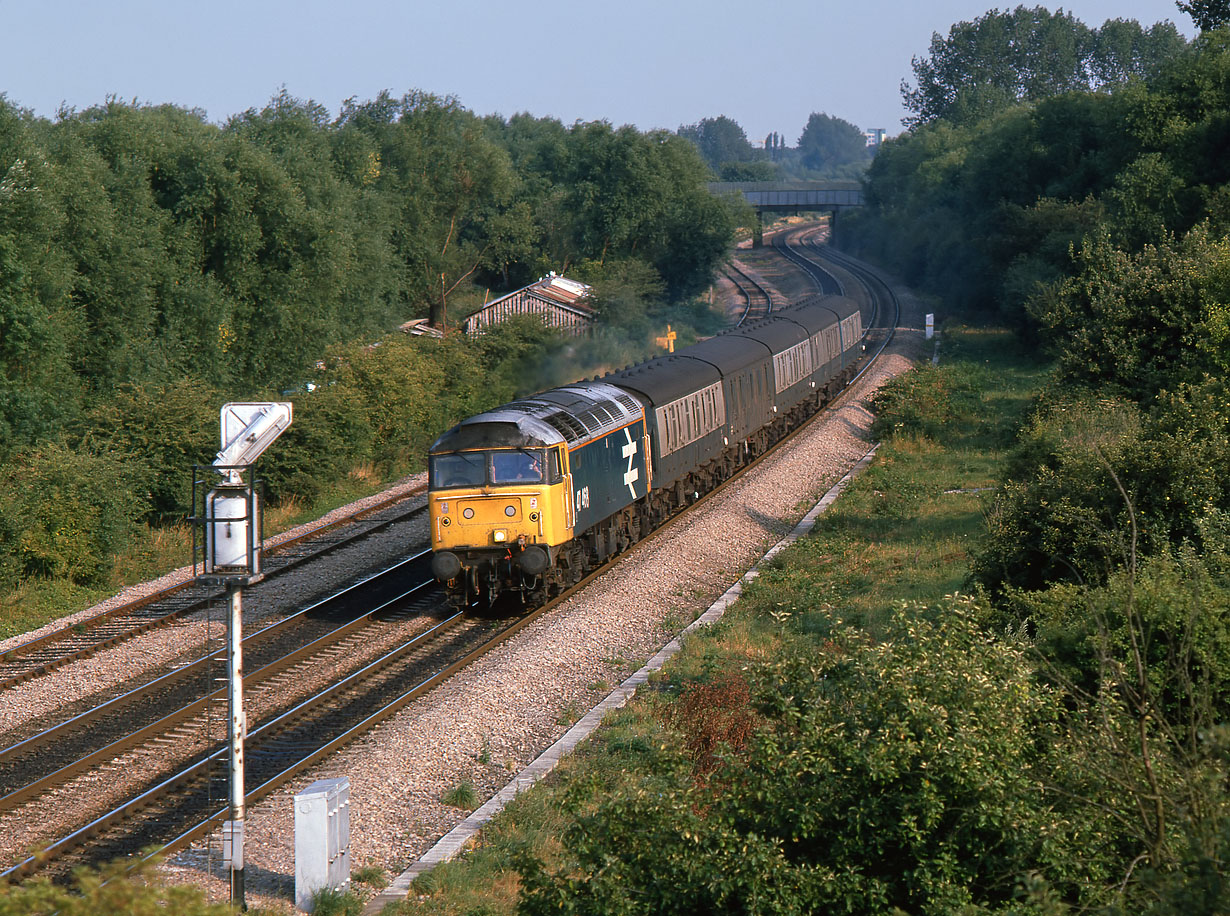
x: 116, y: 889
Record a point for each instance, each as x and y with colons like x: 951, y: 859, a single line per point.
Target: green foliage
x: 1144, y: 664
x: 329, y: 902
x: 1139, y: 323
x: 898, y: 773
x: 115, y: 889
x: 748, y: 171
x: 1002, y: 58
x: 828, y: 143
x: 625, y: 291
x: 1206, y: 14
x: 924, y: 402
x: 1093, y: 481
x: 720, y: 141
x: 1060, y: 515
x: 162, y: 431
x: 66, y: 514
x: 461, y: 795
x: 372, y: 876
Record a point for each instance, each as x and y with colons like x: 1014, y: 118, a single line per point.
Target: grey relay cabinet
x: 322, y: 840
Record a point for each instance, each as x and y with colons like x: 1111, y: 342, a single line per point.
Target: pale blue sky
x: 652, y: 63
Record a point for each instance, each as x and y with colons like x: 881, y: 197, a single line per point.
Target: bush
x: 904, y: 772
x: 66, y: 514
x: 116, y: 889
x: 163, y: 430
x: 925, y: 401
x: 1095, y: 480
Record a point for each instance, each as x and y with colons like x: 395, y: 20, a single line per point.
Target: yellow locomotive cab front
x: 498, y: 504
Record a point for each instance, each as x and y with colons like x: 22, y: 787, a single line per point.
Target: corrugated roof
x: 560, y: 289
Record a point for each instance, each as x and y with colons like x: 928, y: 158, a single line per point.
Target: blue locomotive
x: 530, y: 496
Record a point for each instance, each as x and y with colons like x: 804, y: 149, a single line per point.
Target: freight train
x: 528, y: 497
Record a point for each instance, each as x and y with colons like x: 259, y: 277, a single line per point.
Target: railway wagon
x: 835, y: 326
x: 527, y: 497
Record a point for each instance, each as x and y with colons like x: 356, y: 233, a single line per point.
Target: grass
x: 897, y: 534
x: 461, y: 796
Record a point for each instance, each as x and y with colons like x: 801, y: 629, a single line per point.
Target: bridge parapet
x: 792, y: 197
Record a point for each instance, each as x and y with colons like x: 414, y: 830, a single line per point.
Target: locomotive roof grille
x: 567, y: 425
x: 600, y: 413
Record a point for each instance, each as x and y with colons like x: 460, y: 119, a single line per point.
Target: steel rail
x: 199, y: 770
x: 196, y: 707
x: 731, y: 271
x: 76, y: 630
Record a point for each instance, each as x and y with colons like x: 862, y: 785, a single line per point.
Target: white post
x: 238, y: 729
x: 930, y: 325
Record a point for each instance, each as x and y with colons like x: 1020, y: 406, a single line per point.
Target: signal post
x: 227, y: 540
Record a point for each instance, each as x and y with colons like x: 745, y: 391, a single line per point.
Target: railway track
x: 757, y: 297
x: 174, y: 807
x: 882, y: 311
x: 184, y: 805
x: 171, y: 731
x: 85, y: 638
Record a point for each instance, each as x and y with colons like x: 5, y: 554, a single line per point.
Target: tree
x: 1206, y: 14
x: 38, y: 391
x: 445, y: 178
x: 1123, y: 50
x: 721, y: 141
x: 1003, y: 58
x: 828, y: 143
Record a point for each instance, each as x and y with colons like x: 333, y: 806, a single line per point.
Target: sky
x: 652, y: 63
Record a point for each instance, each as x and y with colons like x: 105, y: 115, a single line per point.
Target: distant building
x: 558, y: 301
x: 875, y: 136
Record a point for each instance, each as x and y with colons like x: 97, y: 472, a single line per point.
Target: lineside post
x: 228, y: 518
x: 237, y: 719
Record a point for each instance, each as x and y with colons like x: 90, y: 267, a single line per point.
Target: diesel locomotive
x: 528, y: 497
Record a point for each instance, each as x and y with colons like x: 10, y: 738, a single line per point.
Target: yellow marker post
x: 668, y: 341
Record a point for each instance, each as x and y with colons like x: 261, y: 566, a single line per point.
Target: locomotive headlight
x: 510, y: 511
x: 499, y: 536
x: 468, y: 512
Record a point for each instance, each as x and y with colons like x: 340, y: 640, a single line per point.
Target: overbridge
x: 791, y: 197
